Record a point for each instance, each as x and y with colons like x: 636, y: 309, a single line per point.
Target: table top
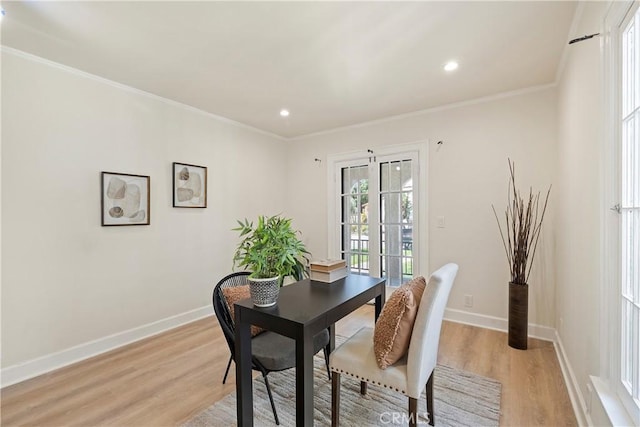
x: 308, y: 300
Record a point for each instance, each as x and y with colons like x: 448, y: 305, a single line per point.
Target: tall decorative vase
x: 518, y: 315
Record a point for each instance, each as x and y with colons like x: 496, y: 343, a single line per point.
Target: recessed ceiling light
x: 284, y: 113
x: 450, y: 66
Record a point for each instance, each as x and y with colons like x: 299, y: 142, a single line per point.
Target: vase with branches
x: 523, y: 218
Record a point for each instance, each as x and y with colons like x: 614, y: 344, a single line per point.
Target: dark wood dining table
x: 303, y: 309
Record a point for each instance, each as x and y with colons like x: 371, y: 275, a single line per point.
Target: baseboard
x: 573, y: 387
x: 545, y: 333
x: 41, y: 365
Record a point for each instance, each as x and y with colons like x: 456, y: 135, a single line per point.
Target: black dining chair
x: 270, y: 351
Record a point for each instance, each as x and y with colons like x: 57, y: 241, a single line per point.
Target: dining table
x: 303, y: 309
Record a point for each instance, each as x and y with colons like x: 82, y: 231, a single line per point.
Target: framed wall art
x: 189, y: 186
x: 125, y: 199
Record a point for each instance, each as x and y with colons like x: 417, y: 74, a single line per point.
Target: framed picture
x: 189, y: 186
x: 125, y: 199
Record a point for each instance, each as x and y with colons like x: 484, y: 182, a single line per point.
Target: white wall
x: 467, y: 174
x: 65, y: 279
x: 578, y: 198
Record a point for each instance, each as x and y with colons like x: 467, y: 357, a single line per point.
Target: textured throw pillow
x: 234, y: 294
x: 393, y: 329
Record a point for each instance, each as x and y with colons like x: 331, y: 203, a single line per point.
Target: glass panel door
x: 396, y: 221
x: 355, y: 218
x: 378, y: 217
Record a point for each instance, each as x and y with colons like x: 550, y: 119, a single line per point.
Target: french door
x: 378, y: 221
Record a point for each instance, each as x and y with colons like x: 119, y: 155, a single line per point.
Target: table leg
x: 244, y: 387
x: 380, y: 300
x: 332, y: 338
x: 304, y: 380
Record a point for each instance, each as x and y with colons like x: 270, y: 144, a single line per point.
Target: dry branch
x: 523, y: 226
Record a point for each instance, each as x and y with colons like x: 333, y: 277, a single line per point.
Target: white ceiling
x: 331, y: 64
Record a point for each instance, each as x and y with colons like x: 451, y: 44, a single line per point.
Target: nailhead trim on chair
x: 340, y: 371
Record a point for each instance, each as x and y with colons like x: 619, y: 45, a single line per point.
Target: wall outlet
x: 468, y: 301
x: 440, y: 222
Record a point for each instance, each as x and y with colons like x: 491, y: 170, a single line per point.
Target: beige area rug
x: 460, y: 399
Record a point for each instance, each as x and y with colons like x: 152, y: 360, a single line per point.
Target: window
x: 620, y: 336
x: 629, y: 207
x: 375, y: 214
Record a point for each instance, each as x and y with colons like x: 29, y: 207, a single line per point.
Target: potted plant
x: 523, y: 219
x: 271, y: 251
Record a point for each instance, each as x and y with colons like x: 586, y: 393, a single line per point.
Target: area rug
x: 460, y: 399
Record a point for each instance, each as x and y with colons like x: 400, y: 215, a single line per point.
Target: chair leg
x: 273, y: 406
x: 326, y: 362
x: 335, y: 399
x: 224, y: 380
x: 413, y: 412
x: 363, y: 388
x: 429, y: 396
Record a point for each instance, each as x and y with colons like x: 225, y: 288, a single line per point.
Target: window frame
x: 632, y: 116
x: 610, y: 293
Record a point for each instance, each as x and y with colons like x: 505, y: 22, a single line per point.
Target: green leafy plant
x: 270, y: 249
x: 522, y: 229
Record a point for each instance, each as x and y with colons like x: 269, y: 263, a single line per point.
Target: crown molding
x: 130, y: 89
x: 451, y: 106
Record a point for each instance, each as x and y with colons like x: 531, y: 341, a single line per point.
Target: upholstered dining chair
x: 413, y: 372
x: 270, y: 351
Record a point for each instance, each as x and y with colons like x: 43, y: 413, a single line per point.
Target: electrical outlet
x: 440, y: 222
x: 468, y: 301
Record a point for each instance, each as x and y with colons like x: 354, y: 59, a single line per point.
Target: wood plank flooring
x: 167, y: 379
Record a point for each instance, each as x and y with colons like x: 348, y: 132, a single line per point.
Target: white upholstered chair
x: 411, y: 374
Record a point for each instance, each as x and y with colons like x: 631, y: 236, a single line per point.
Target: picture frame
x: 125, y: 199
x: 189, y: 185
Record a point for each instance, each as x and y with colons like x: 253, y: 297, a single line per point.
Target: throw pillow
x: 392, y: 332
x: 234, y: 294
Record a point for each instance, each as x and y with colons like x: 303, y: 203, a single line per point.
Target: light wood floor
x: 167, y: 379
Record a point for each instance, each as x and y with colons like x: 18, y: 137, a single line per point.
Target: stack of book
x: 328, y: 270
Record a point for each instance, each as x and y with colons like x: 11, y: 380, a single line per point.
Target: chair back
x: 222, y: 310
x: 423, y: 347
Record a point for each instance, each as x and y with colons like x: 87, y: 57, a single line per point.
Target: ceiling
x: 332, y: 64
